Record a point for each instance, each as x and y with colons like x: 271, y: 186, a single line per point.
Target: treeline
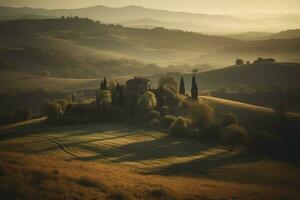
x: 240, y: 61
x: 15, y: 101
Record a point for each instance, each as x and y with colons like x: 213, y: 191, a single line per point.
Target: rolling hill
x: 200, y: 22
x: 288, y: 34
x: 250, y: 36
x: 258, y: 75
x: 86, y: 161
x: 82, y: 48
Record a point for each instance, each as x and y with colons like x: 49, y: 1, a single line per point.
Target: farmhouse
x: 140, y: 85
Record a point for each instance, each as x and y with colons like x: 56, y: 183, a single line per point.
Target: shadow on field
x: 22, y: 130
x: 203, y: 166
x: 163, y: 147
x: 117, y: 143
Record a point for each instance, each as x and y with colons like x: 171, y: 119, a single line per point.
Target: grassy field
x: 246, y: 106
x: 9, y: 80
x: 123, y: 161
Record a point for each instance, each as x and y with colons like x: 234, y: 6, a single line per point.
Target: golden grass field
x: 245, y: 106
x: 123, y: 161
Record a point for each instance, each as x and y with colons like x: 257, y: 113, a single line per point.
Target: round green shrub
x: 147, y: 101
x: 153, y: 114
x: 201, y: 114
x: 180, y: 126
x: 195, y: 132
x: 212, y: 132
x: 235, y: 135
x: 23, y: 114
x: 51, y: 109
x: 167, y: 121
x: 164, y: 110
x: 6, y: 118
x: 170, y: 97
x: 63, y: 103
x: 104, y: 98
x: 265, y: 142
x: 155, y: 123
x: 229, y: 119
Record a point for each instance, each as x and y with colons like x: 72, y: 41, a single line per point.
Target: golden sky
x: 199, y: 6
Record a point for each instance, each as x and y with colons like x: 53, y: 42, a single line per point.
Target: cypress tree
x: 104, y: 84
x: 101, y: 86
x: 73, y: 98
x: 194, y: 89
x: 182, y: 86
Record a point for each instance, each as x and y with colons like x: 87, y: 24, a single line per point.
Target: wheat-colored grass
x: 123, y: 161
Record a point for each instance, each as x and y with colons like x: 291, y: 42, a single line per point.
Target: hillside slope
x: 214, y: 24
x: 83, y: 48
x: 247, y: 107
x: 257, y: 74
x: 53, y: 162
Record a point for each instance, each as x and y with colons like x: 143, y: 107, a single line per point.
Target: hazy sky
x: 203, y: 6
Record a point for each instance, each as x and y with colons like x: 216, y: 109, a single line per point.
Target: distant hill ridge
x: 199, y: 22
x: 257, y: 74
x: 80, y: 47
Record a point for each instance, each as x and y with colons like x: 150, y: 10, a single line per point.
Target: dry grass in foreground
x: 44, y: 177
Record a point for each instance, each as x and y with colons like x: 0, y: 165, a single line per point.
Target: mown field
x: 124, y: 161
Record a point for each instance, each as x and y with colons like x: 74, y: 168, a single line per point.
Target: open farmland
x: 87, y: 157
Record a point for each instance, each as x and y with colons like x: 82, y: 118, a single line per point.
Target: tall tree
x: 160, y: 93
x: 105, y: 84
x: 182, y: 86
x: 101, y: 86
x: 194, y: 89
x: 73, y: 98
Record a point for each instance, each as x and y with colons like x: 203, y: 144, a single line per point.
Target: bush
x: 201, y: 114
x: 167, y: 121
x: 235, y: 135
x: 6, y: 118
x: 212, y: 132
x: 46, y: 73
x: 265, y: 142
x: 153, y: 114
x: 155, y: 123
x: 239, y: 61
x: 195, y: 132
x: 51, y: 109
x: 104, y: 101
x: 147, y: 101
x: 63, y: 103
x: 23, y: 114
x: 169, y: 82
x: 170, y: 97
x: 230, y: 119
x: 180, y: 126
x: 80, y: 109
x: 164, y: 110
